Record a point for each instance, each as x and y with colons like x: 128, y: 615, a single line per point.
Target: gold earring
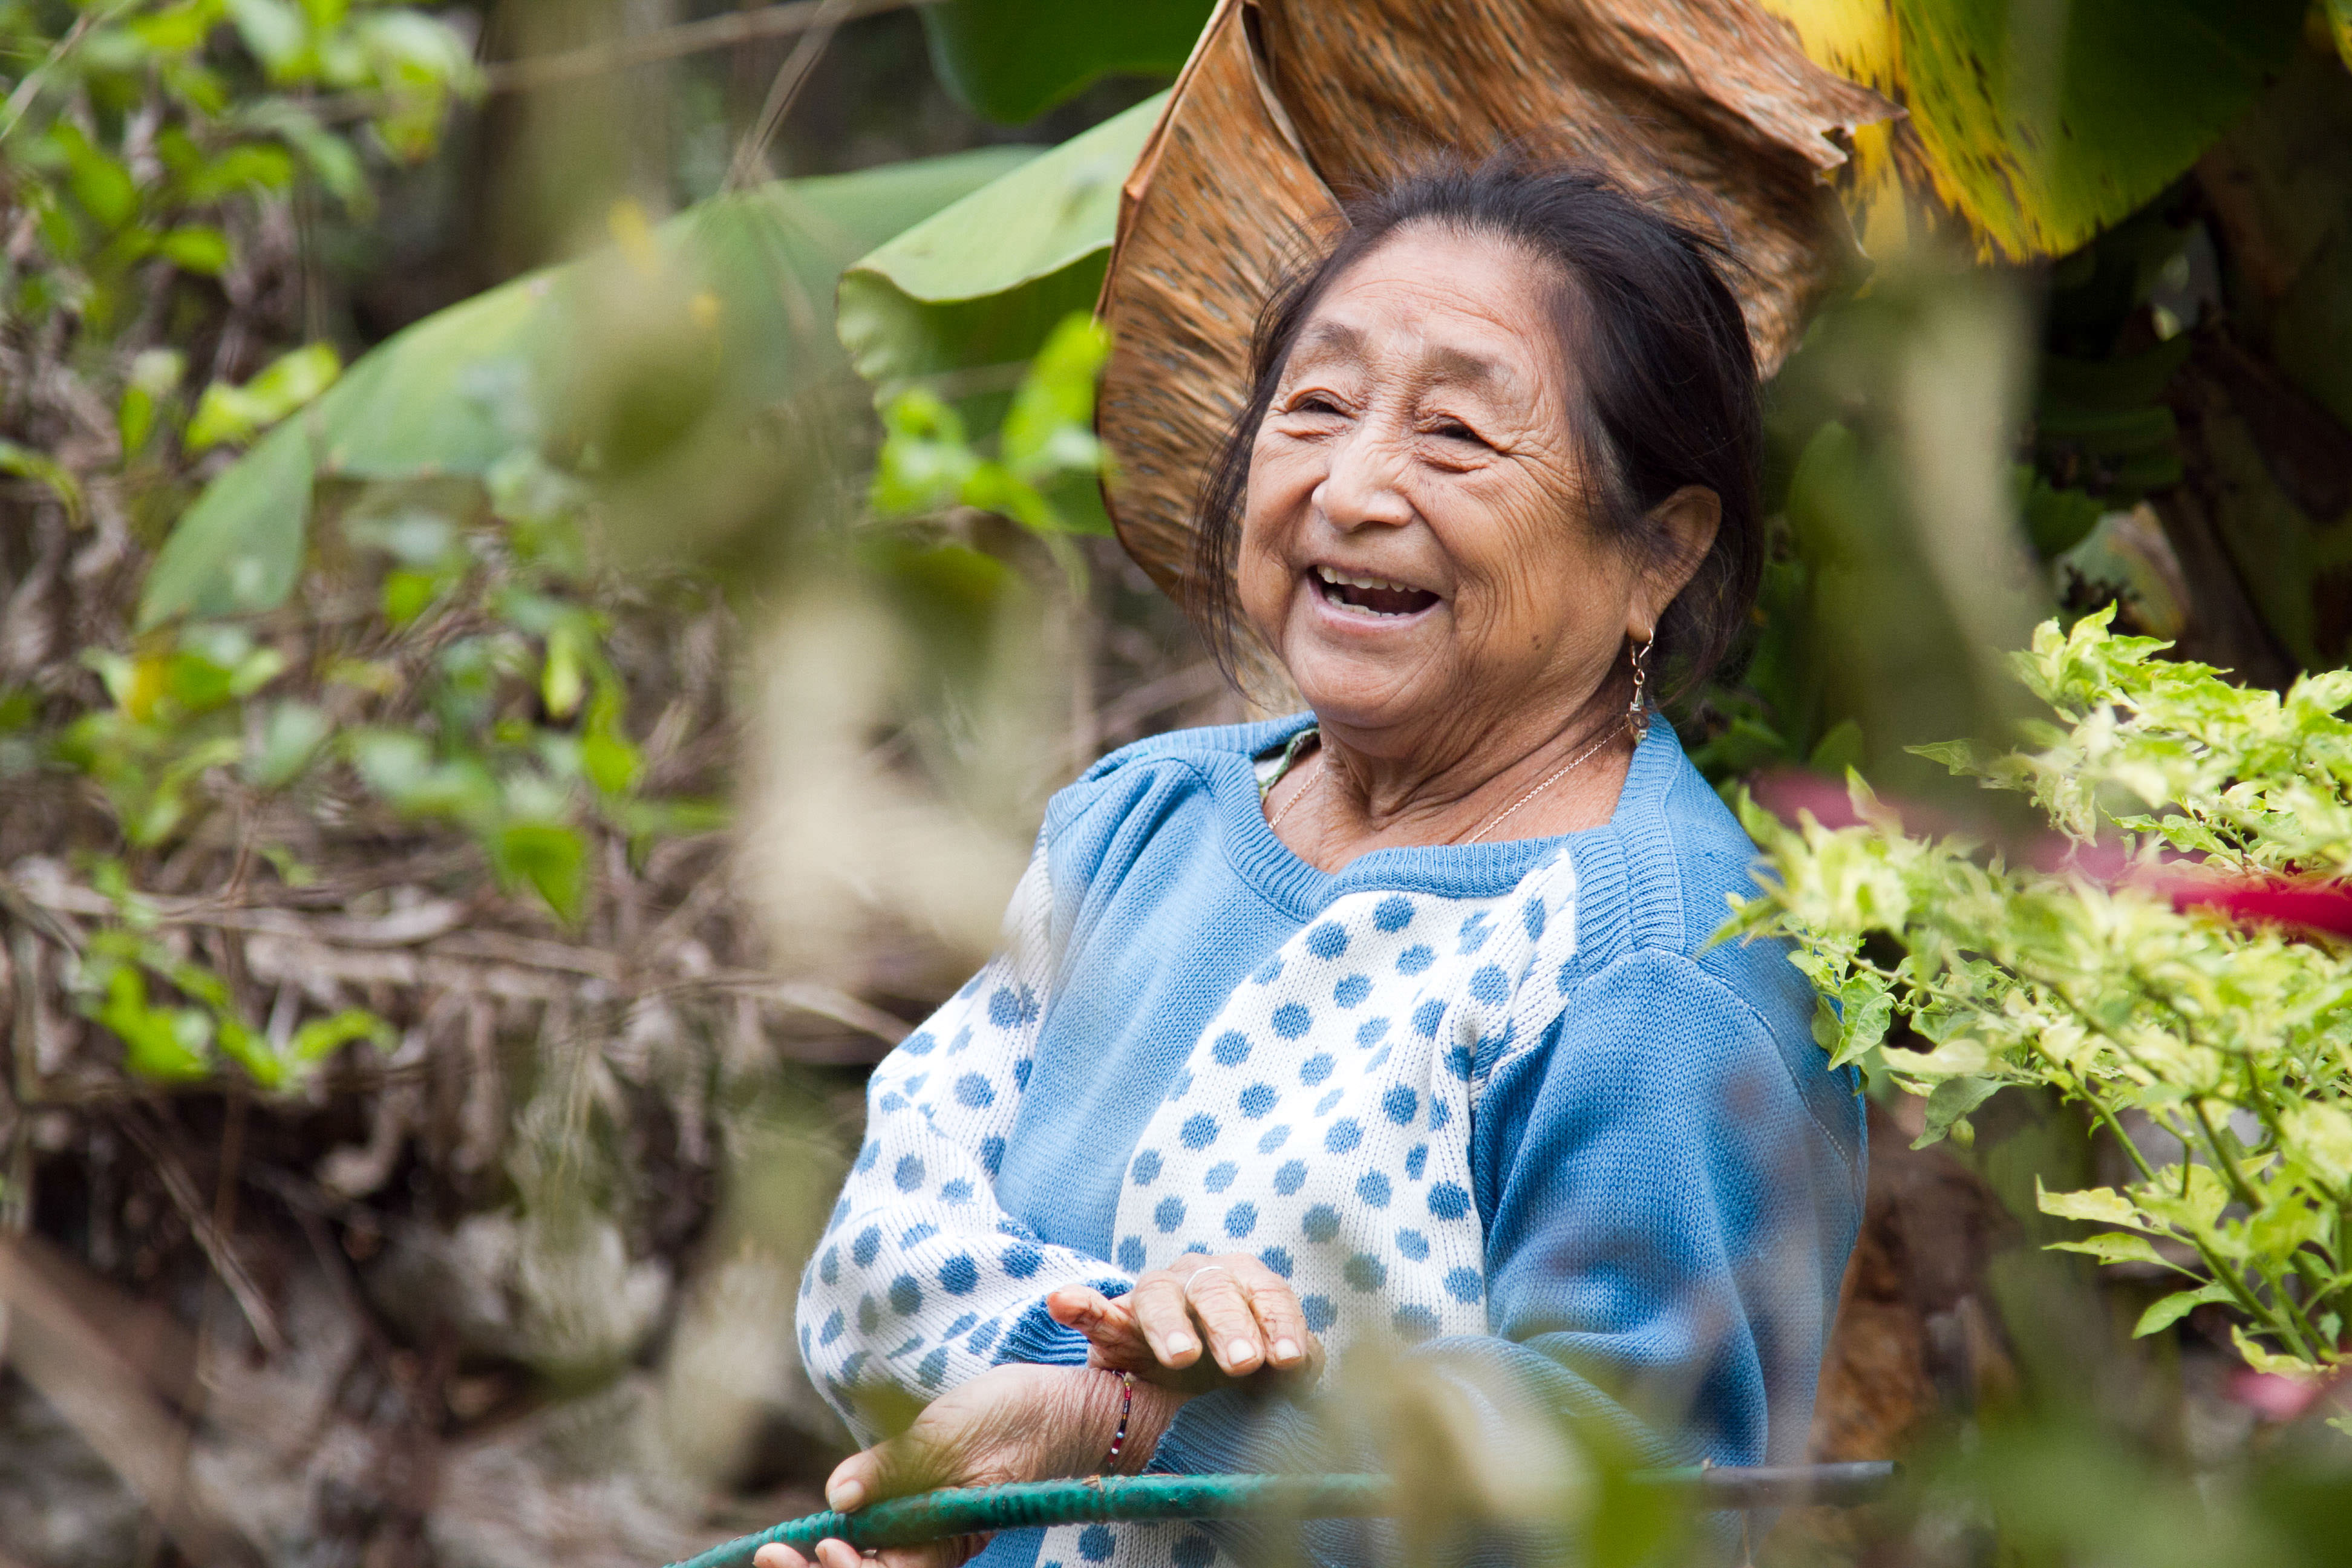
x: 1637, y: 716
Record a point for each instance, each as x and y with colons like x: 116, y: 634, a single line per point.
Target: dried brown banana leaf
x: 1709, y: 104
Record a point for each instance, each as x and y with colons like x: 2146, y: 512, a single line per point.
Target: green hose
x: 973, y: 1510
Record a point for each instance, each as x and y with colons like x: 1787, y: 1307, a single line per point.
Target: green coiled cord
x: 974, y: 1511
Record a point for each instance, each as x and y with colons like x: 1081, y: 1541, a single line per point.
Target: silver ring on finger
x: 1202, y: 1272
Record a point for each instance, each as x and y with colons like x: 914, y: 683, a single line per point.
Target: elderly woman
x: 1395, y: 1022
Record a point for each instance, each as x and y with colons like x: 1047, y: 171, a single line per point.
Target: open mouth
x: 1372, y: 595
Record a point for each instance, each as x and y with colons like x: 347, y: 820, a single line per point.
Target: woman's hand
x: 1245, y: 1314
x: 1013, y: 1423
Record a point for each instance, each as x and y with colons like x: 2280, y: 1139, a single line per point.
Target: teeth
x: 1331, y: 576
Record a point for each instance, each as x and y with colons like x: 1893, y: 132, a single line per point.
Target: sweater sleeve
x: 1669, y: 1185
x: 921, y: 1278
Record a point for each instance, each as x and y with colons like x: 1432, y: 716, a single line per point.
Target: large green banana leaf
x: 982, y: 282
x: 462, y: 388
x: 2040, y: 124
x: 1013, y: 60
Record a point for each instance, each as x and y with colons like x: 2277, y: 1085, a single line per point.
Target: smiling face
x: 1415, y: 544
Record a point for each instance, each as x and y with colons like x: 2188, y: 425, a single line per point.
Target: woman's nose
x: 1364, y: 487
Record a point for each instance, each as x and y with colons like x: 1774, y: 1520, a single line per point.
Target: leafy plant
x: 2110, y: 963
x: 929, y: 464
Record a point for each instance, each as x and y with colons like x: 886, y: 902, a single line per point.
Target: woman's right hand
x: 1011, y: 1423
x: 1245, y: 1314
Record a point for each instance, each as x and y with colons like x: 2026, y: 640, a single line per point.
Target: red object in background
x: 2315, y: 905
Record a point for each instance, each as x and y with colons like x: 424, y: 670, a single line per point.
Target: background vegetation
x: 550, y: 559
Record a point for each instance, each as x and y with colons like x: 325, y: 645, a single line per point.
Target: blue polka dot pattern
x: 1319, y: 1122
x: 1414, y: 1323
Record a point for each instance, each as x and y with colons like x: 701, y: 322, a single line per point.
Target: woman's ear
x: 1685, y: 522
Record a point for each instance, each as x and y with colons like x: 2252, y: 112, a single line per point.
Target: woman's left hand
x: 1245, y: 1312
x: 1011, y: 1423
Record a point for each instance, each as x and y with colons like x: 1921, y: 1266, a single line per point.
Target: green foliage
x: 227, y: 414
x: 983, y: 281
x: 167, y: 1042
x: 2231, y: 1046
x: 647, y: 360
x: 137, y: 133
x: 928, y: 464
x: 493, y: 706
x: 1013, y: 60
x: 2045, y: 125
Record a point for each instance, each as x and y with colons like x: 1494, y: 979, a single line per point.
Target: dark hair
x: 1652, y: 333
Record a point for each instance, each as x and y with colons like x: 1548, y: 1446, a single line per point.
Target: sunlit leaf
x: 2167, y: 1310
x: 230, y: 414
x: 2041, y: 125
x: 983, y: 281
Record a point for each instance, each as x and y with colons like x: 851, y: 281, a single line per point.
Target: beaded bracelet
x: 1126, y: 1409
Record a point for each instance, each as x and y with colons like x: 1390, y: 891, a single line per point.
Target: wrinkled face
x: 1414, y: 546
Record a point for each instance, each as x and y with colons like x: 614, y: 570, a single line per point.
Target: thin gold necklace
x: 1296, y: 796
x: 1556, y: 774
x: 1491, y: 823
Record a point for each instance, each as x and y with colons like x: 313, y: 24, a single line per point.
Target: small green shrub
x: 2114, y: 964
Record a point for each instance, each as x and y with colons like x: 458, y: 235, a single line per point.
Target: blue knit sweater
x: 1496, y: 1106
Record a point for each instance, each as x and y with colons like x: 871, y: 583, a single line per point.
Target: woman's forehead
x: 1461, y: 310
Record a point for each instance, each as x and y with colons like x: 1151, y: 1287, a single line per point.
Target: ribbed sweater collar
x: 1605, y: 871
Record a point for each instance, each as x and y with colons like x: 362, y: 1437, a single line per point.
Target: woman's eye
x: 1315, y: 403
x: 1454, y: 430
